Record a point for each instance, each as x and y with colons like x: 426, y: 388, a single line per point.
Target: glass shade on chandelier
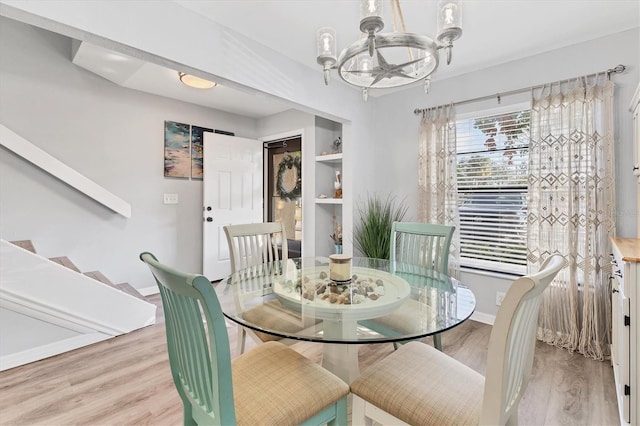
x: 387, y: 60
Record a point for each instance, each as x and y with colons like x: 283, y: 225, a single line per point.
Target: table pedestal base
x: 341, y: 358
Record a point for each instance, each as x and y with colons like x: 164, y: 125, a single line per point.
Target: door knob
x: 209, y: 219
x: 208, y: 208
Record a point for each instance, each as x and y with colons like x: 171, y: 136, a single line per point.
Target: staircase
x: 96, y: 275
x: 47, y: 306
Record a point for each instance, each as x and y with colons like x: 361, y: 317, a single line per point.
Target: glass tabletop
x: 380, y: 302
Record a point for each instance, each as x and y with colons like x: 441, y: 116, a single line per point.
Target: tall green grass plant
x: 372, y: 230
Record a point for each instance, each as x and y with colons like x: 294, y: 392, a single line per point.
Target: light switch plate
x: 171, y: 198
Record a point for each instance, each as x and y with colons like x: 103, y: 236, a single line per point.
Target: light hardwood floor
x: 126, y: 381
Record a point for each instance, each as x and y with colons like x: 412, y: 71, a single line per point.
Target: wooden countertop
x: 629, y: 248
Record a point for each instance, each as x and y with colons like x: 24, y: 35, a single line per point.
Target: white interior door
x: 232, y: 194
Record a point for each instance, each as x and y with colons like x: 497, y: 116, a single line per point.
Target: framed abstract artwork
x: 197, y: 137
x: 177, y: 147
x: 184, y: 149
x: 224, y: 132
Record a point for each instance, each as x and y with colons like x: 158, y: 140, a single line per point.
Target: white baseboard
x: 483, y: 318
x: 41, y: 352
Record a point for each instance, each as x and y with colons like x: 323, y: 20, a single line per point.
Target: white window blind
x: 492, y: 163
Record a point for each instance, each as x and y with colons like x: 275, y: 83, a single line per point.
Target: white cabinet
x: 625, y: 349
x: 634, y: 107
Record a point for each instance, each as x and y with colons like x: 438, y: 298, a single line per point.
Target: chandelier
x: 387, y: 60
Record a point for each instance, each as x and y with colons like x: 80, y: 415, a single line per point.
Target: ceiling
x: 495, y: 32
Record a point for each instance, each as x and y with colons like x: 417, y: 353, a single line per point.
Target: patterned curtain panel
x: 572, y: 210
x: 437, y: 186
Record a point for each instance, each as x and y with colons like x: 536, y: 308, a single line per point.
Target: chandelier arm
x: 408, y: 63
x: 381, y: 60
x: 378, y: 78
x: 372, y: 44
x: 358, y: 71
x: 401, y: 74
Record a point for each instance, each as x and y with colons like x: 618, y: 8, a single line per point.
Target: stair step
x: 25, y: 244
x: 65, y: 261
x: 127, y: 288
x: 99, y: 276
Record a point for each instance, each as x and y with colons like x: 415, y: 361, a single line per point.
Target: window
x: 492, y: 170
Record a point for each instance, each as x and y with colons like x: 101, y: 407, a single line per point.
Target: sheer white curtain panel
x: 437, y: 182
x: 572, y: 210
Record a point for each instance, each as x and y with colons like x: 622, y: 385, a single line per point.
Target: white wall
x: 112, y: 135
x: 396, y: 141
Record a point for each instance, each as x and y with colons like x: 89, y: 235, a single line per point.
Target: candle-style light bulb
x: 370, y: 8
x: 448, y: 14
x: 326, y: 48
x: 449, y: 24
x: 371, y: 22
x: 364, y: 64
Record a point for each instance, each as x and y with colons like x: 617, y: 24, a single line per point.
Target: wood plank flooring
x: 126, y: 381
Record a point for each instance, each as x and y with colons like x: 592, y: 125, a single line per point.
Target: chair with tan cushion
x: 269, y: 385
x: 251, y: 245
x: 419, y: 385
x: 415, y: 247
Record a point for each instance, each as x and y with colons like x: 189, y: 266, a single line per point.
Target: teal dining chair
x: 416, y: 246
x: 418, y: 385
x: 420, y: 245
x: 251, y: 245
x: 269, y: 385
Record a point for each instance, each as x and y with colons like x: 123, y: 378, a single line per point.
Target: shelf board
x: 328, y: 200
x: 329, y: 158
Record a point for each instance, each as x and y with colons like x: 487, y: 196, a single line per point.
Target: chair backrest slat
x: 197, y: 342
x: 512, y: 343
x: 420, y: 245
x: 256, y: 243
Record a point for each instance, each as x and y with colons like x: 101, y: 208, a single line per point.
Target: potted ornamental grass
x: 372, y: 227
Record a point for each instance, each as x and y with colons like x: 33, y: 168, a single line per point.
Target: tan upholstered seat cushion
x: 422, y: 386
x: 273, y: 315
x: 275, y: 385
x: 404, y: 320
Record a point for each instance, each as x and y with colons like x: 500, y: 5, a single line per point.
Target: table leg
x: 341, y: 358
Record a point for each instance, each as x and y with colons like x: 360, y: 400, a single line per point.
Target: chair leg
x: 358, y: 416
x: 341, y: 413
x: 242, y: 337
x: 437, y: 341
x: 187, y: 417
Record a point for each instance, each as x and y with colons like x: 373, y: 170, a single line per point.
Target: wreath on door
x: 289, y: 179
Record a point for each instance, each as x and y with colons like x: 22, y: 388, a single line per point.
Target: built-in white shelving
x: 328, y: 200
x: 328, y: 164
x: 330, y: 158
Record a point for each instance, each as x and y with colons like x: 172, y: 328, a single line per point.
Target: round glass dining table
x: 382, y: 302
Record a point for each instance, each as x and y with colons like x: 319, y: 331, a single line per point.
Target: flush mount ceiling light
x: 197, y: 82
x: 386, y: 60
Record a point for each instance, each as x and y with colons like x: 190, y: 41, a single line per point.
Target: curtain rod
x: 615, y: 70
